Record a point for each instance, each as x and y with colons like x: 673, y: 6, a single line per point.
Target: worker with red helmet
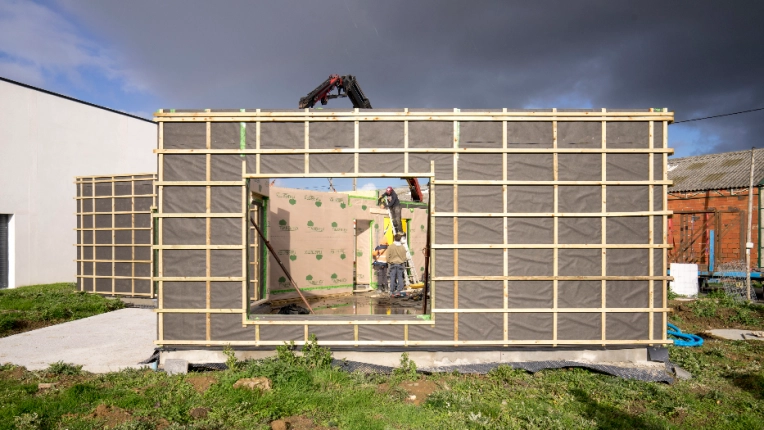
x: 390, y: 200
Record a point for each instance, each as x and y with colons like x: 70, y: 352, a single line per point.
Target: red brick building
x: 709, y: 199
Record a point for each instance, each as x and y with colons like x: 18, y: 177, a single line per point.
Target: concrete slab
x: 102, y: 343
x: 733, y: 334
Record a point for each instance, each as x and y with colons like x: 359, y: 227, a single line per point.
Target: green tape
x: 242, y: 135
x: 424, y: 317
x: 172, y: 110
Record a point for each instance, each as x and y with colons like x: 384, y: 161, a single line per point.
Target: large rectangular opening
x: 331, y: 237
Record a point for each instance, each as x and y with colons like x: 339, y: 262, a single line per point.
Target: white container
x: 685, y: 281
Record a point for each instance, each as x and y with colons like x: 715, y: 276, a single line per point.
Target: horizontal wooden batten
x: 240, y: 247
x: 510, y: 150
x: 113, y: 277
x: 307, y: 115
x: 197, y: 215
x: 549, y: 310
x: 546, y: 214
x: 200, y: 311
x: 200, y: 278
x: 200, y: 183
x: 552, y: 278
x: 549, y: 246
x: 415, y: 342
x: 111, y: 229
x: 538, y: 183
x: 337, y: 175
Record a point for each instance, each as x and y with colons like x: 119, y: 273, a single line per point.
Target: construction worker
x: 396, y: 258
x: 380, y: 265
x: 390, y: 199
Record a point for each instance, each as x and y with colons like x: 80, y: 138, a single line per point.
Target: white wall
x: 45, y: 141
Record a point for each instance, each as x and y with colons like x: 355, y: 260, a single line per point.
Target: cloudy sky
x: 698, y: 58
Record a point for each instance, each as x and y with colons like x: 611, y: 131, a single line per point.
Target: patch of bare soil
x: 296, y: 423
x: 110, y: 415
x: 18, y: 373
x: 417, y: 391
x: 201, y: 383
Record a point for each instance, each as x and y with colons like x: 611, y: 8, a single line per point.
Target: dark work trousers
x: 381, y: 270
x: 397, y: 284
x: 396, y: 211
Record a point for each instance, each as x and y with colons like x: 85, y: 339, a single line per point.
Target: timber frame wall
x: 546, y: 226
x: 114, y: 234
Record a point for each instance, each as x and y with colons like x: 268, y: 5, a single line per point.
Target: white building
x: 46, y: 139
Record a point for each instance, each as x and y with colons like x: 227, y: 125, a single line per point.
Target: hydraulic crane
x: 346, y: 83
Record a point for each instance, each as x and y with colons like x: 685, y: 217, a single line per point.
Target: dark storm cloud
x: 697, y: 58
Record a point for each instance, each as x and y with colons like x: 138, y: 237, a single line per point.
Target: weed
x: 704, y: 308
x: 285, y: 354
x: 671, y: 295
x: 406, y: 370
x: 316, y: 356
x: 60, y: 368
x: 231, y: 362
x: 744, y: 315
x: 28, y: 421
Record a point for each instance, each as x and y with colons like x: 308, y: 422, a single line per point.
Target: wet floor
x: 371, y: 303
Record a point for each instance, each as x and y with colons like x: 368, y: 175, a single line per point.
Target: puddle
x: 370, y: 303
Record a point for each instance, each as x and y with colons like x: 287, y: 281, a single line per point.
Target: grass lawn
x: 28, y: 308
x: 725, y: 393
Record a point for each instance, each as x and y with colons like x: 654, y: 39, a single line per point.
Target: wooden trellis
x: 115, y: 234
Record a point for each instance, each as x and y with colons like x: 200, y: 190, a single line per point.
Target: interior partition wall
x: 548, y: 226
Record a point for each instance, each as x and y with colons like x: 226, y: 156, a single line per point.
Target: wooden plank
x: 551, y: 246
x: 455, y: 184
x: 406, y: 144
x: 132, y: 235
x: 456, y: 115
x: 549, y: 310
x: 555, y: 231
x: 665, y: 228
x: 505, y: 226
x: 651, y: 232
x: 410, y: 150
x: 198, y: 215
x: 604, y: 232
x: 551, y: 278
x: 548, y: 214
x: 207, y: 229
x: 206, y: 183
x: 400, y: 342
x: 196, y: 247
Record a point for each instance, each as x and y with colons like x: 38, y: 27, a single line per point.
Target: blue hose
x: 683, y: 339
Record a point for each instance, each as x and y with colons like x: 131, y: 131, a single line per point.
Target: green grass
x: 36, y: 306
x: 727, y: 392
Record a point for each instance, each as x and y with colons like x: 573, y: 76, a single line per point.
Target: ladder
x: 411, y: 271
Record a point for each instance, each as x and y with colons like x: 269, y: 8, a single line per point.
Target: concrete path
x: 102, y: 343
x: 734, y: 334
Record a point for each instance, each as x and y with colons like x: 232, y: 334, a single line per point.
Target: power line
x: 718, y: 116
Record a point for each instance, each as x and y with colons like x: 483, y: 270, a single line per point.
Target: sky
x: 698, y: 58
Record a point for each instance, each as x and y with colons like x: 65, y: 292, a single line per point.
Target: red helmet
x: 389, y: 190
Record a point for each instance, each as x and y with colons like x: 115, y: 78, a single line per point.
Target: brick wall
x: 729, y: 247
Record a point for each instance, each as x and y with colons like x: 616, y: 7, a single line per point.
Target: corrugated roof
x: 715, y: 171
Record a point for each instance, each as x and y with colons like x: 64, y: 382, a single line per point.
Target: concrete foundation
x: 627, y: 356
